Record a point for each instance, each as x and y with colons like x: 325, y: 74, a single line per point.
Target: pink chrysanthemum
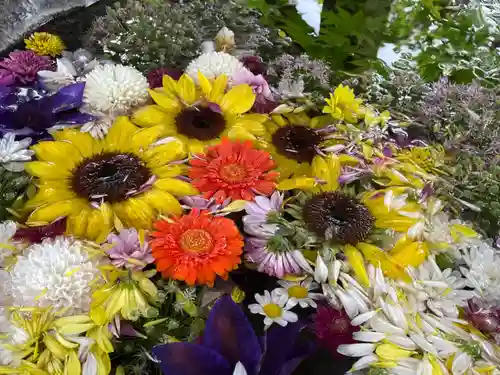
x: 25, y: 65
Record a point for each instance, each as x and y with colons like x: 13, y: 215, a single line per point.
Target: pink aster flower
x: 128, y: 250
x: 25, y: 65
x: 265, y: 100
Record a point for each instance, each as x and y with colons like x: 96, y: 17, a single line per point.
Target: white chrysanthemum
x: 10, y: 335
x: 214, y: 64
x: 13, y: 154
x: 58, y: 273
x: 115, y: 89
x: 7, y: 231
x: 482, y: 269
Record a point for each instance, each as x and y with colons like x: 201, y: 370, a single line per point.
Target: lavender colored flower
x: 265, y: 100
x: 230, y: 342
x: 33, y: 114
x: 25, y: 65
x: 155, y: 76
x: 256, y: 220
x: 197, y: 201
x: 7, y: 77
x: 129, y: 251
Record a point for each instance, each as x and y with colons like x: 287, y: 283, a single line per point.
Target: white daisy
x: 7, y: 231
x: 57, y: 272
x: 13, y: 154
x: 115, y: 89
x: 273, y: 307
x: 298, y: 292
x: 214, y: 64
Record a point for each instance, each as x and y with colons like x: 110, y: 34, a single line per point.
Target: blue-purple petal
x: 182, y: 358
x: 68, y: 97
x: 229, y: 332
x: 73, y: 117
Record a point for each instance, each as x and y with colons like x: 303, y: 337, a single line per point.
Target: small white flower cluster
x: 13, y: 154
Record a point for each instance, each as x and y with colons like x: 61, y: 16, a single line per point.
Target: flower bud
x: 224, y: 40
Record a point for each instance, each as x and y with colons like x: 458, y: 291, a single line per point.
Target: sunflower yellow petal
x: 186, y: 89
x: 410, y: 253
x: 76, y: 224
x: 107, y: 220
x: 150, y: 115
x: 63, y: 154
x: 49, y: 192
x: 195, y: 146
x: 120, y: 135
x: 163, y: 202
x: 328, y: 170
x: 163, y: 100
x: 392, y: 352
x: 46, y: 170
x: 53, y: 211
x: 251, y: 126
x: 238, y: 100
x: 143, y: 138
x: 176, y: 187
x: 306, y: 183
x: 205, y: 85
x: 169, y: 86
x: 240, y: 133
x: 357, y: 262
x: 73, y: 366
x: 170, y: 170
x: 165, y: 153
x: 135, y: 212
x: 82, y: 141
x: 218, y: 88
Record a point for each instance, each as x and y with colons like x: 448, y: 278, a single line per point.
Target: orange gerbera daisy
x: 233, y: 169
x: 196, y: 247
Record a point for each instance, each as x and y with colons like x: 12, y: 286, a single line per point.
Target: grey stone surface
x: 18, y: 17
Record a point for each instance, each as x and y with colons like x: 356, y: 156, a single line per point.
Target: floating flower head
x: 335, y: 216
x: 45, y: 44
x: 214, y: 64
x: 129, y: 249
x: 273, y: 306
x: 126, y: 179
x: 25, y: 65
x: 115, y: 89
x: 13, y: 154
x: 196, y: 247
x: 233, y: 169
x: 56, y: 273
x: 343, y: 105
x: 36, y: 116
x: 229, y: 346
x: 203, y: 120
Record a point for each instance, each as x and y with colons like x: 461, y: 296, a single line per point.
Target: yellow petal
x: 392, y: 352
x: 240, y: 133
x: 458, y: 230
x: 186, y: 89
x: 107, y: 220
x: 169, y: 85
x: 238, y: 100
x: 251, y: 126
x: 82, y: 141
x: 51, y: 212
x: 348, y: 159
x: 305, y: 183
x: 46, y: 170
x: 163, y: 202
x: 163, y: 154
x: 77, y: 223
x: 176, y: 187
x: 170, y: 170
x: 120, y: 135
x: 164, y: 101
x: 63, y: 154
x: 134, y: 212
x: 205, y: 85
x: 73, y: 366
x: 50, y: 192
x: 357, y: 262
x: 143, y: 138
x: 96, y: 222
x: 410, y: 253
x: 150, y: 115
x: 328, y: 170
x: 218, y: 88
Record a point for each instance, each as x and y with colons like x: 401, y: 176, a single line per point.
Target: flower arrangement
x: 143, y: 211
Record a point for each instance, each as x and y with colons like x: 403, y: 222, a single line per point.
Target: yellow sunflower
x: 200, y: 117
x: 124, y: 180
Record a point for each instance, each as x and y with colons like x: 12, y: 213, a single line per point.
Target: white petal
x: 301, y: 261
x: 356, y: 350
x: 364, y: 362
x: 90, y: 365
x: 424, y: 368
x: 321, y: 270
x: 403, y: 341
x: 380, y: 324
x: 334, y: 271
x: 350, y: 305
x: 239, y: 369
x: 290, y: 316
x: 423, y: 343
x: 368, y: 336
x: 400, y: 370
x: 360, y: 319
x: 460, y: 364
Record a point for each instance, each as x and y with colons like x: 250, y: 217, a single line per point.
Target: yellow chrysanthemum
x: 200, y: 117
x: 45, y: 44
x: 343, y: 105
x: 123, y: 180
x: 430, y: 158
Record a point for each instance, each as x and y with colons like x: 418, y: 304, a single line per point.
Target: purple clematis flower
x: 230, y: 343
x: 33, y: 116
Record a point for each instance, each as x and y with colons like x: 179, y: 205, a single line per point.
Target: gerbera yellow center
x: 297, y: 291
x: 233, y: 173
x: 196, y: 241
x: 272, y: 310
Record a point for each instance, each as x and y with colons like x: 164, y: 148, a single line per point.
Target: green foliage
x: 14, y: 188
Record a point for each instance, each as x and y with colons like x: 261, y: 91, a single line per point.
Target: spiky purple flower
x: 24, y: 65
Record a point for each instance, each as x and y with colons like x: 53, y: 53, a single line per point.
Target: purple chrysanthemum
x: 128, y: 250
x: 7, y: 77
x: 25, y: 65
x: 256, y: 220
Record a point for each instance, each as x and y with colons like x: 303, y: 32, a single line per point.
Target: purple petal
x: 69, y: 97
x: 387, y: 152
x: 73, y: 118
x: 229, y: 332
x: 182, y: 358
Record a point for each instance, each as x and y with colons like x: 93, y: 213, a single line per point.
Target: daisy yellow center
x: 233, y: 173
x: 297, y: 291
x: 196, y: 241
x: 272, y: 310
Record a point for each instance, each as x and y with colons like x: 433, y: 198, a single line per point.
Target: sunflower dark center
x: 338, y: 217
x: 297, y: 142
x: 110, y: 177
x: 201, y: 123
